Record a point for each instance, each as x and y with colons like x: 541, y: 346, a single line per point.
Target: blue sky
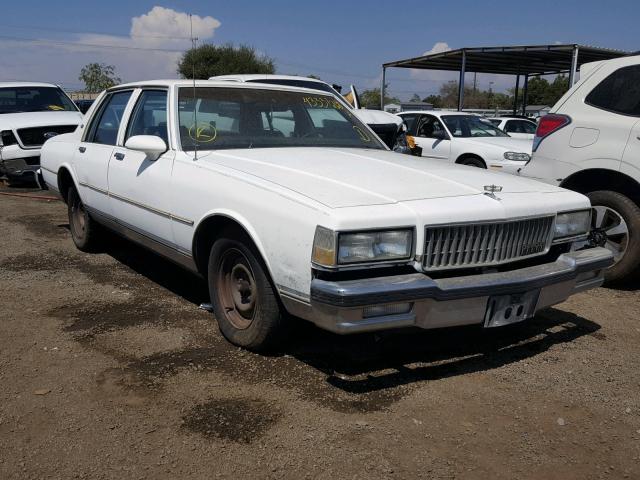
x: 342, y: 42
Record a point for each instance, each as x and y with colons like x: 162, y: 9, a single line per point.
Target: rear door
x: 427, y: 130
x: 520, y: 129
x: 94, y: 151
x: 139, y: 187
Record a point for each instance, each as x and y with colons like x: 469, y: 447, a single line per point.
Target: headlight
x: 572, y: 224
x: 332, y: 249
x: 517, y: 156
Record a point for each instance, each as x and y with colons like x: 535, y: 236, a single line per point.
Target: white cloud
x: 433, y: 76
x: 163, y: 29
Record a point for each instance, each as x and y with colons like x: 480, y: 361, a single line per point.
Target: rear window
x: 619, y: 92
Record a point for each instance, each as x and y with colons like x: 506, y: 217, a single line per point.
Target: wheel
x: 83, y: 227
x: 617, y: 218
x: 472, y: 162
x: 244, y: 301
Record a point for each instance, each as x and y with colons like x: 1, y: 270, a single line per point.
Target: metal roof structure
x: 520, y: 60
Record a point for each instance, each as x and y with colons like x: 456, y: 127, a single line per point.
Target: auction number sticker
x: 203, y: 133
x: 322, y: 102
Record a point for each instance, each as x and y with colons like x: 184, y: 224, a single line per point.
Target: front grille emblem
x: 491, y: 190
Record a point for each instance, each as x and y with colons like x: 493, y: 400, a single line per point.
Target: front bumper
x: 17, y: 163
x: 434, y: 303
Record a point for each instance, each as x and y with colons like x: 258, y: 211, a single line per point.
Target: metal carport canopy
x: 527, y: 60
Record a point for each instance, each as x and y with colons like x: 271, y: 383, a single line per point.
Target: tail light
x: 548, y: 124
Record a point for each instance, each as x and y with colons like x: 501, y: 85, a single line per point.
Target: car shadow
x: 364, y: 363
x: 371, y: 362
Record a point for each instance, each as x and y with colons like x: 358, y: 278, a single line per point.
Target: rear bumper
x: 432, y: 303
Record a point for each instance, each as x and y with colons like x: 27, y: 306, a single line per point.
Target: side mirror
x: 440, y: 135
x: 152, y: 145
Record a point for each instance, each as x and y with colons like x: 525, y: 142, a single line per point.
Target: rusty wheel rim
x: 237, y: 288
x: 78, y: 219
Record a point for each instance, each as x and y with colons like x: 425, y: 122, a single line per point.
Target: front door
x: 92, y: 157
x: 433, y: 138
x: 139, y: 185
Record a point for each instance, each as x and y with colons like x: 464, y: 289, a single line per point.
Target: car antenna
x: 193, y: 77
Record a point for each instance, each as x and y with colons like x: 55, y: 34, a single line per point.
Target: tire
x: 472, y: 162
x: 613, y: 213
x: 83, y: 228
x: 244, y: 302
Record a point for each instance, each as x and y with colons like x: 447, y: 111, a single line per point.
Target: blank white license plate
x: 506, y: 309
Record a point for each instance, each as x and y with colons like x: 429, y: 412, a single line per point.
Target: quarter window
x: 619, y: 92
x: 149, y: 116
x: 107, y: 123
x: 410, y: 120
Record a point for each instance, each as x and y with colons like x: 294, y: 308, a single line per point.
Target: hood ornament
x: 491, y: 190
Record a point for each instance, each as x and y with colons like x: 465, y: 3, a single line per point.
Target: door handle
x: 82, y: 149
x: 118, y: 156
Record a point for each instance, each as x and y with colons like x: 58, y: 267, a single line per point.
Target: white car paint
x: 452, y: 149
x: 21, y: 152
x: 281, y: 195
x: 516, y: 127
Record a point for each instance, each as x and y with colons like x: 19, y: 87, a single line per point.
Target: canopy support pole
x: 463, y: 66
x: 515, y: 94
x: 384, y: 74
x: 525, y: 95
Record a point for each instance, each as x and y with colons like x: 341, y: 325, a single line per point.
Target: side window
x: 512, y: 127
x: 429, y: 126
x: 105, y: 126
x: 529, y: 127
x: 279, y: 123
x: 149, y: 116
x: 619, y: 92
x: 410, y: 120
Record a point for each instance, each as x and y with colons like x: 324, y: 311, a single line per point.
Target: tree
x: 414, y: 98
x: 98, y: 77
x: 210, y: 60
x: 371, y: 98
x: 434, y: 100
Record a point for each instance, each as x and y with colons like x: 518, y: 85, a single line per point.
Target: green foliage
x: 98, y: 77
x: 371, y: 98
x: 414, y: 98
x: 210, y: 60
x: 434, y: 100
x: 541, y: 92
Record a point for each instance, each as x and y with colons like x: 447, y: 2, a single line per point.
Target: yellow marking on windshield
x: 322, y: 102
x: 203, y: 133
x: 55, y: 107
x: 363, y: 135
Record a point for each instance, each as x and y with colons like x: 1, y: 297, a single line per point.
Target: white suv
x: 590, y: 143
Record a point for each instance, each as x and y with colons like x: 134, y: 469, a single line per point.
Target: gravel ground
x: 108, y: 369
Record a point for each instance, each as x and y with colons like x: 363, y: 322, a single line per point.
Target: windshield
x: 260, y: 118
x: 34, y: 99
x: 471, y: 126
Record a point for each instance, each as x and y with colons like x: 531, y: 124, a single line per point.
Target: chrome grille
x: 485, y: 244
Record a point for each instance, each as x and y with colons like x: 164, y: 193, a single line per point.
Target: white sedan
x: 516, y: 127
x: 319, y: 221
x: 466, y: 139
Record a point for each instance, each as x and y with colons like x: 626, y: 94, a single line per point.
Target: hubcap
x: 237, y: 288
x: 612, y: 229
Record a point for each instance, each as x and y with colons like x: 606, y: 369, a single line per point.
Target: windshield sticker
x: 363, y: 135
x: 203, y: 133
x: 322, y: 102
x: 55, y: 107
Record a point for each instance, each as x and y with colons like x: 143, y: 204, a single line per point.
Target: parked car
x: 516, y: 127
x: 30, y: 113
x: 466, y: 139
x: 321, y: 222
x: 590, y: 143
x: 84, y: 104
x: 386, y: 125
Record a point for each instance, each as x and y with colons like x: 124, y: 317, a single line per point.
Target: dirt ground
x: 108, y: 369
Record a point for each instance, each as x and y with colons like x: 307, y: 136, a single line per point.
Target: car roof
x: 511, y: 118
x: 212, y: 83
x: 437, y: 113
x: 26, y: 84
x: 264, y: 76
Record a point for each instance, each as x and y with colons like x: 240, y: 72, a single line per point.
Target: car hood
x: 347, y: 177
x: 507, y: 143
x: 14, y: 121
x: 376, y: 117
